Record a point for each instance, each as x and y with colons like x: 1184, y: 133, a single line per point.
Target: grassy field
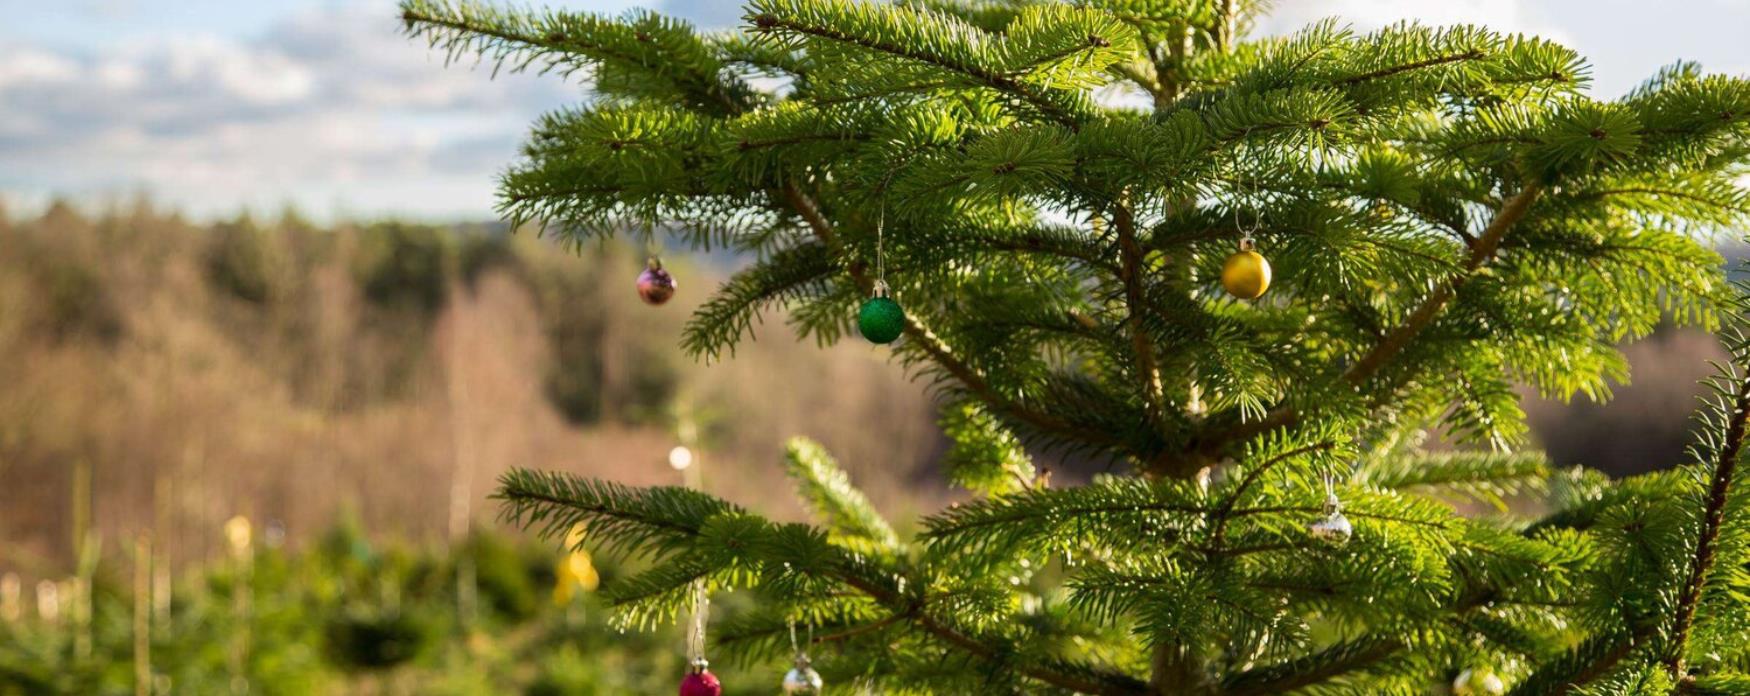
x: 343, y: 616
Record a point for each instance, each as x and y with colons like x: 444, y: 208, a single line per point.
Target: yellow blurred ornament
x: 1246, y: 273
x: 576, y: 570
x: 238, y: 532
x: 583, y: 569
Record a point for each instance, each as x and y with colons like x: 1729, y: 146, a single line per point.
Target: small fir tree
x: 1050, y: 190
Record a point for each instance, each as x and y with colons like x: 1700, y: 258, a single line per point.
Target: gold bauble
x: 1246, y: 274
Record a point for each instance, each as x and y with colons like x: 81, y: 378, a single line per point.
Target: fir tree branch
x: 1407, y: 67
x: 1206, y: 448
x: 1331, y: 662
x: 459, y: 25
x: 1139, y: 78
x: 1175, y: 669
x: 827, y: 489
x: 1042, y: 244
x: 994, y: 80
x: 1226, y: 26
x: 1585, y: 663
x: 1135, y: 303
x: 858, y: 630
x: 1482, y: 252
x: 1724, y: 470
x: 1340, y: 659
x: 1225, y: 511
x: 1097, y: 683
x: 1166, y: 86
x: 939, y: 351
x: 417, y: 16
x: 1172, y: 66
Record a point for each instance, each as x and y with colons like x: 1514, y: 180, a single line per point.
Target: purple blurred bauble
x: 655, y: 285
x: 701, y: 683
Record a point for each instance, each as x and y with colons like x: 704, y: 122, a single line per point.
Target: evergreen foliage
x: 1449, y: 212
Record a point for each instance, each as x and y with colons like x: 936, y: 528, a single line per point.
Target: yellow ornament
x: 1246, y: 274
x: 238, y: 532
x: 583, y: 570
x: 575, y: 572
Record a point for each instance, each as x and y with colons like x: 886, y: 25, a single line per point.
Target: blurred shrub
x: 592, y: 333
x: 243, y: 263
x: 511, y: 581
x: 78, y: 305
x: 377, y: 638
x: 405, y: 267
x: 481, y: 251
x: 72, y: 301
x: 575, y: 333
x: 564, y: 672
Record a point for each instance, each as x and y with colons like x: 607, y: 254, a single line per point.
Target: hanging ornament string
x: 1255, y: 192
x: 801, y: 679
x: 1246, y: 273
x: 699, y: 680
x: 701, y: 615
x: 1240, y: 191
x: 647, y: 235
x: 880, y: 319
x: 880, y: 244
x: 1333, y: 528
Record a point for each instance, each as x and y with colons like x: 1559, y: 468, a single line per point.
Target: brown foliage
x: 291, y: 373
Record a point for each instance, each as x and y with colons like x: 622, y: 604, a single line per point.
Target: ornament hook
x: 1333, y: 528
x: 801, y: 680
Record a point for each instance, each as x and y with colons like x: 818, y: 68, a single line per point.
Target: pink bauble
x: 702, y: 683
x: 655, y: 285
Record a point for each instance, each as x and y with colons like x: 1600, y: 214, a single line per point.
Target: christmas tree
x: 1070, y: 215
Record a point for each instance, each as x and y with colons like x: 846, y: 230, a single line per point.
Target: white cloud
x: 1503, y: 15
x: 330, y: 109
x: 24, y: 66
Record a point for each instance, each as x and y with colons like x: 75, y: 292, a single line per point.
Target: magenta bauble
x: 701, y: 683
x: 655, y: 284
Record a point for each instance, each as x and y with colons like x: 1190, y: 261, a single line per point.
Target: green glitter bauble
x: 881, y: 320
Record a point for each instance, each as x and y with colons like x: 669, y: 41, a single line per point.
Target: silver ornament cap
x: 802, y: 679
x: 1333, y: 528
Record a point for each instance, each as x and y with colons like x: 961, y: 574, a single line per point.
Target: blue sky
x: 214, y: 106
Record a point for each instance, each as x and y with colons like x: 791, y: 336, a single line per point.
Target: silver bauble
x: 1478, y: 682
x: 802, y: 679
x: 1333, y: 528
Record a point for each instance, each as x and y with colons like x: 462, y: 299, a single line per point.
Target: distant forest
x: 166, y: 375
